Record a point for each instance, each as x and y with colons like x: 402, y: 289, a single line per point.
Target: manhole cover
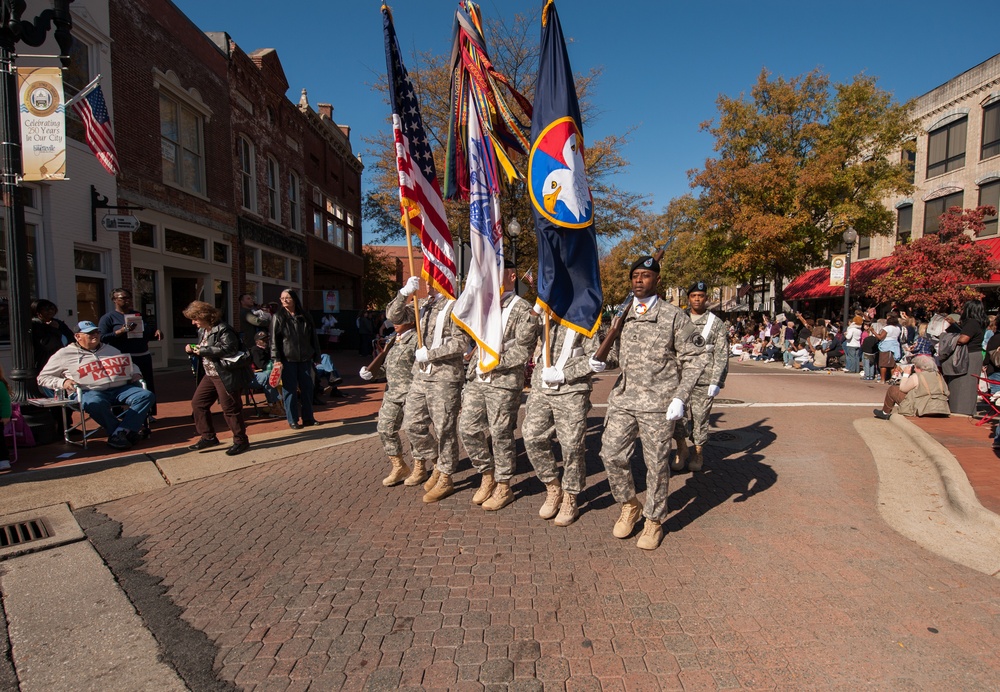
x: 723, y: 437
x: 729, y: 401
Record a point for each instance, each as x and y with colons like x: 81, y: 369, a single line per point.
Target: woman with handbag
x: 223, y: 371
x: 889, y: 349
x: 962, y: 389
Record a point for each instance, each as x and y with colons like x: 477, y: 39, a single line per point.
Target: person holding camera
x: 921, y: 391
x: 127, y: 330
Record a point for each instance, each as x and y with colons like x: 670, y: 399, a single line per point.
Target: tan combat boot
x: 432, y: 481
x: 680, y: 459
x: 631, y: 513
x: 697, y: 461
x: 553, y: 496
x: 486, y: 488
x: 418, y: 475
x: 652, y: 534
x: 442, y: 489
x: 400, y: 471
x: 501, y: 497
x: 568, y: 511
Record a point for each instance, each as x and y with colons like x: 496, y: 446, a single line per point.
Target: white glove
x: 676, y: 410
x: 366, y: 374
x: 479, y: 369
x: 410, y: 287
x: 537, y: 308
x: 420, y: 355
x: 713, y: 390
x: 598, y: 365
x: 552, y: 376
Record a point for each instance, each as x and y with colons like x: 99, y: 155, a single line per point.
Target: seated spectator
x: 260, y: 360
x: 802, y: 359
x: 327, y: 378
x: 772, y: 350
x: 106, y: 378
x: 922, y: 345
x: 921, y: 392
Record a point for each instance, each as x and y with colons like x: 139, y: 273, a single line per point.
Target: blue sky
x: 664, y: 63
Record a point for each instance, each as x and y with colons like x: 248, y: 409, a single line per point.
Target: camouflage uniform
x: 659, y: 362
x: 560, y: 412
x: 398, y: 372
x: 435, y: 393
x: 490, y: 401
x: 700, y: 404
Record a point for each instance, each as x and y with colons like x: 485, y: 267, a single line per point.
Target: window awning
x: 815, y: 283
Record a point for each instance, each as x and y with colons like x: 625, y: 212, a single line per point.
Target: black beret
x: 698, y: 287
x: 509, y: 264
x: 645, y: 262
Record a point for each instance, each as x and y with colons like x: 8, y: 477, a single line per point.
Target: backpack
x: 954, y: 356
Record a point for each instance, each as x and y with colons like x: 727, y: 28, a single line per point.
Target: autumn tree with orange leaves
x: 798, y: 161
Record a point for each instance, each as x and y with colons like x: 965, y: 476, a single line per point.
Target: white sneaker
x: 4, y: 465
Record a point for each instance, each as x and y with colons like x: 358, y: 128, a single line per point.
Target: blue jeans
x: 98, y: 402
x: 260, y: 384
x: 296, y: 376
x: 787, y: 357
x: 870, y: 361
x: 851, y: 354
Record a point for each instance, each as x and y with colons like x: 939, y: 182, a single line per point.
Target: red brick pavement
x: 777, y: 571
x: 972, y: 447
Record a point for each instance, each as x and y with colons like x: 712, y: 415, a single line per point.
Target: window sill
x: 193, y: 193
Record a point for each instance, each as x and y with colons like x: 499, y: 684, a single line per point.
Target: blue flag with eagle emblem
x: 569, y: 277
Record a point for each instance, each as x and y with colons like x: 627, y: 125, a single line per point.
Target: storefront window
x: 220, y: 251
x: 183, y: 243
x: 5, y: 283
x: 145, y: 235
x: 272, y: 266
x: 145, y: 291
x: 250, y: 260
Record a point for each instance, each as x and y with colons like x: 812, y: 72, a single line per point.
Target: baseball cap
x: 86, y: 327
x: 260, y: 336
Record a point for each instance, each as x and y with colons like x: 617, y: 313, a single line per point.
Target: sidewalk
x: 174, y: 428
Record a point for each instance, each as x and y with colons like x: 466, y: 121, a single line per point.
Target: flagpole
x: 548, y: 346
x: 409, y: 253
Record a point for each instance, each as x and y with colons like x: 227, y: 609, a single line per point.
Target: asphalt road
x: 777, y: 571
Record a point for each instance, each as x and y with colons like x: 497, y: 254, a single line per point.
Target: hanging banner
x: 837, y: 263
x: 43, y: 123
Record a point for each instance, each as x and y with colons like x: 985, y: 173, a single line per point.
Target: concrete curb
x: 958, y: 490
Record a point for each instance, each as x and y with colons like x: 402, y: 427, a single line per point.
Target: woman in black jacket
x: 219, y: 380
x: 295, y: 345
x: 48, y: 334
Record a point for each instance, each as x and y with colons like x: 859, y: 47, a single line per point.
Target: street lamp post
x: 514, y: 230
x: 850, y: 237
x: 13, y: 30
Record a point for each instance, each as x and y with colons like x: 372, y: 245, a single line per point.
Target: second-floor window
x: 946, y: 148
x: 248, y: 180
x: 936, y: 207
x: 294, y: 212
x: 273, y: 192
x: 181, y: 148
x: 991, y: 130
x: 904, y: 223
x: 989, y: 195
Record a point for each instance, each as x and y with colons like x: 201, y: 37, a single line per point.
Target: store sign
x: 125, y: 223
x: 331, y: 301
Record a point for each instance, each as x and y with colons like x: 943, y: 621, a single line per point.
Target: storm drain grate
x: 23, y: 532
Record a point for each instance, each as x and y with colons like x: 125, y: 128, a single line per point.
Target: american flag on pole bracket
x: 419, y: 193
x: 93, y: 111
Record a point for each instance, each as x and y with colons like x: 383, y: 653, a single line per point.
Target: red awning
x: 815, y: 283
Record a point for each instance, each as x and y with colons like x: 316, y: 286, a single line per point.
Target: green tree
x: 379, y: 280
x: 934, y: 272
x: 513, y: 48
x: 798, y: 161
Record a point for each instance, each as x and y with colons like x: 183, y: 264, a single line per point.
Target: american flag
x: 419, y: 192
x: 93, y: 111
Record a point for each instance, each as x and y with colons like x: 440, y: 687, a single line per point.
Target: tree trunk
x: 779, y: 293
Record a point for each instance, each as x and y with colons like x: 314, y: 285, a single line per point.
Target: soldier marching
x: 668, y: 364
